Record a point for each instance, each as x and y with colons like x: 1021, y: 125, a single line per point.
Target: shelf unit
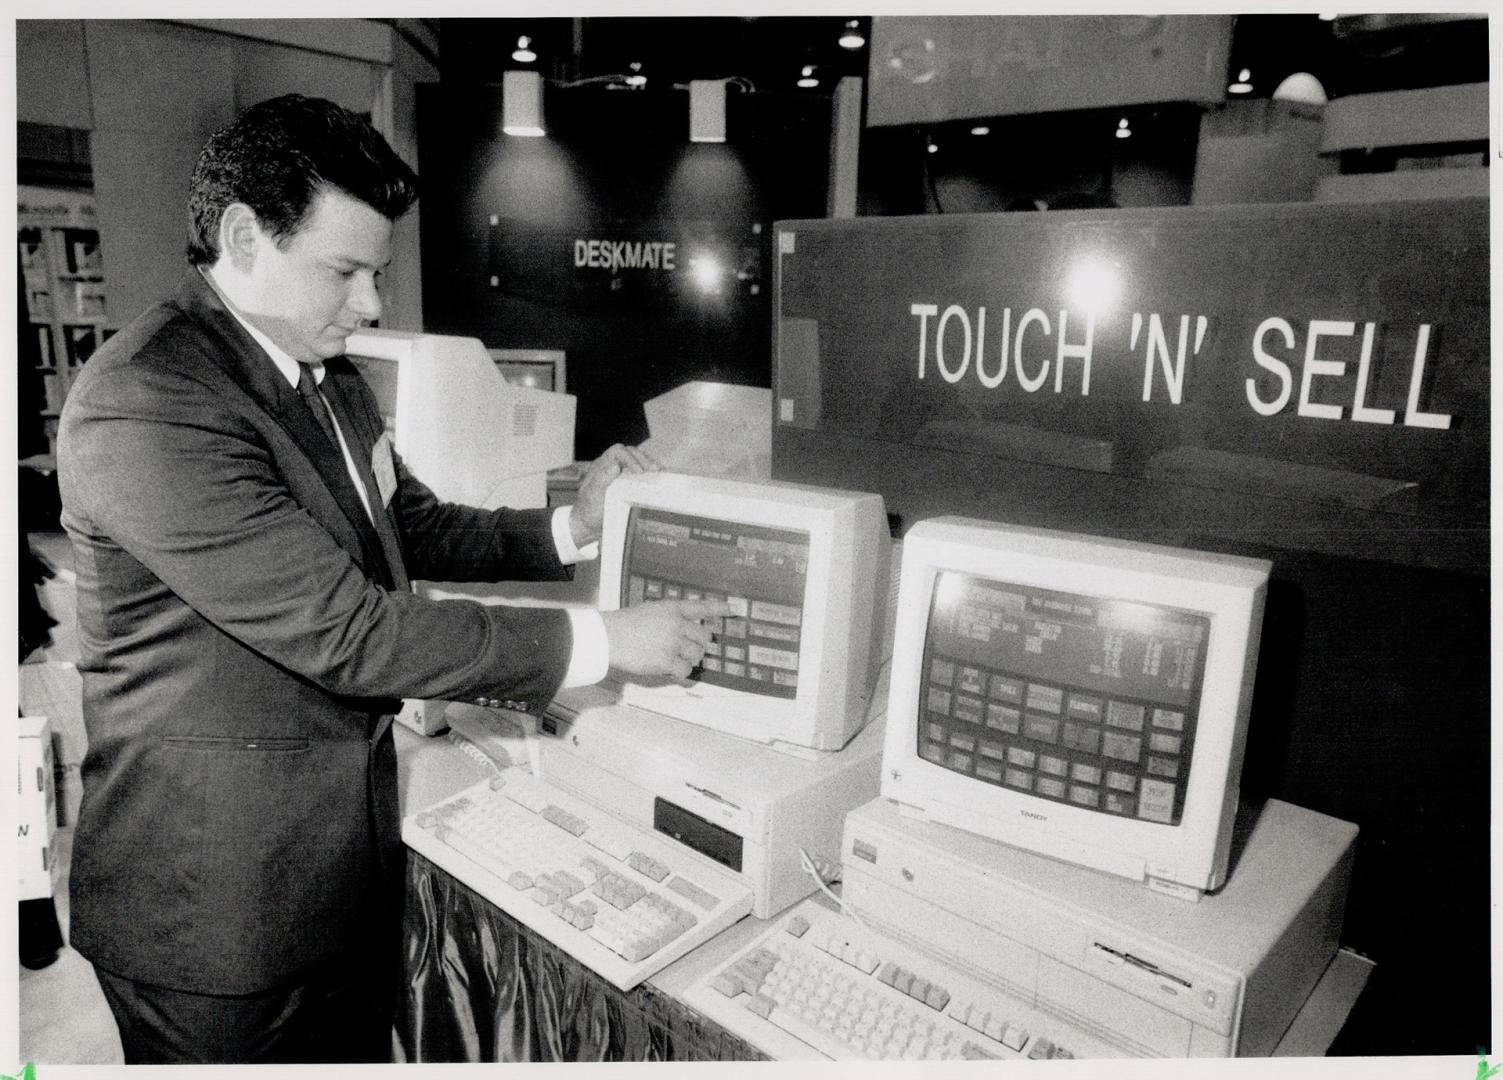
x: 58, y: 237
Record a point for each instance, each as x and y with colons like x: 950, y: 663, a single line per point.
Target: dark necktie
x: 307, y: 389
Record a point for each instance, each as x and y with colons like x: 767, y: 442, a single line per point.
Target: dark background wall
x: 617, y: 165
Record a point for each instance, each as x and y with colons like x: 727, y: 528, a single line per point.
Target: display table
x: 482, y: 987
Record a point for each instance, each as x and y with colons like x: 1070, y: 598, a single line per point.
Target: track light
x: 522, y: 103
x: 850, y: 37
x: 1123, y: 131
x: 981, y: 129
x: 707, y: 110
x: 636, y: 80
x: 807, y: 81
x: 1243, y: 85
x: 523, y: 53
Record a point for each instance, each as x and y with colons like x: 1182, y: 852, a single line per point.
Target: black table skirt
x: 480, y: 986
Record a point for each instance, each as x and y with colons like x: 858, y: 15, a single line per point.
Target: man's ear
x: 240, y: 236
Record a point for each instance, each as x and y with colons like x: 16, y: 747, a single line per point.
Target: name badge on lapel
x: 385, y: 472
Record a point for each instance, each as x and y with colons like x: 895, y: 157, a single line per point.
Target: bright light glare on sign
x: 706, y: 272
x: 1093, y: 286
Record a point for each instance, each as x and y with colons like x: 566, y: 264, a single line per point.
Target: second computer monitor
x: 1079, y: 696
x: 806, y: 570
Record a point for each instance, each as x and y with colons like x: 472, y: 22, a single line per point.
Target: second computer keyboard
x: 623, y: 901
x: 817, y: 985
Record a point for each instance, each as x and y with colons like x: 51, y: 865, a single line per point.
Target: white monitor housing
x: 807, y: 570
x: 1080, y: 697
x: 457, y: 423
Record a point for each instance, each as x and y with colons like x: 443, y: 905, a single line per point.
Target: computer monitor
x: 807, y: 570
x: 541, y: 369
x: 1080, y: 697
x: 458, y: 424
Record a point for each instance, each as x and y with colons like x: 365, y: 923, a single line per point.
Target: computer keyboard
x: 817, y: 985
x: 618, y: 898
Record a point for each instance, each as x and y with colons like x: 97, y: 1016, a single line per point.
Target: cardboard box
x: 55, y: 690
x: 36, y: 810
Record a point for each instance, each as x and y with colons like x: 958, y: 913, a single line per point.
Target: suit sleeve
x: 449, y: 542
x: 190, y: 482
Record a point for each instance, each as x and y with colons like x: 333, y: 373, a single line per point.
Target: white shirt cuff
x: 563, y: 539
x: 591, y: 656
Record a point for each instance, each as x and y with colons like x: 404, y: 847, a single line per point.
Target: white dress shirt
x: 589, y: 658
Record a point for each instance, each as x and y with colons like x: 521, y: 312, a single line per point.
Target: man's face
x: 319, y: 286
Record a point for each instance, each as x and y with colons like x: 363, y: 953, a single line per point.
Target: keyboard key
x: 693, y: 893
x: 647, y: 865
x: 564, y: 820
x: 971, y: 1052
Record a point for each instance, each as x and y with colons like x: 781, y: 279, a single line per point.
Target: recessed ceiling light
x: 981, y: 129
x: 523, y: 53
x: 851, y: 37
x: 1243, y: 84
x: 807, y: 81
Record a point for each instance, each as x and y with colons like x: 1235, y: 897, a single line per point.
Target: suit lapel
x: 248, y: 365
x: 362, y: 441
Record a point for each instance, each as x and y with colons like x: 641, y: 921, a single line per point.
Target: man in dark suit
x: 244, y: 537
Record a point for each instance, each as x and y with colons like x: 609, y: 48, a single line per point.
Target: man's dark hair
x: 278, y: 156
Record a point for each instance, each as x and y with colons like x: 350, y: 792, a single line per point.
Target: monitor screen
x: 1076, y: 698
x: 805, y: 571
x: 539, y: 369
x: 1079, y: 696
x: 760, y: 571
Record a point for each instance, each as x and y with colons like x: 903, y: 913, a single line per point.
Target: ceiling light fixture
x: 981, y: 129
x: 1123, y: 131
x: 707, y: 110
x: 1243, y: 85
x: 851, y: 38
x: 522, y: 103
x: 933, y: 147
x: 1301, y: 87
x: 523, y: 53
x: 807, y: 81
x: 636, y: 80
